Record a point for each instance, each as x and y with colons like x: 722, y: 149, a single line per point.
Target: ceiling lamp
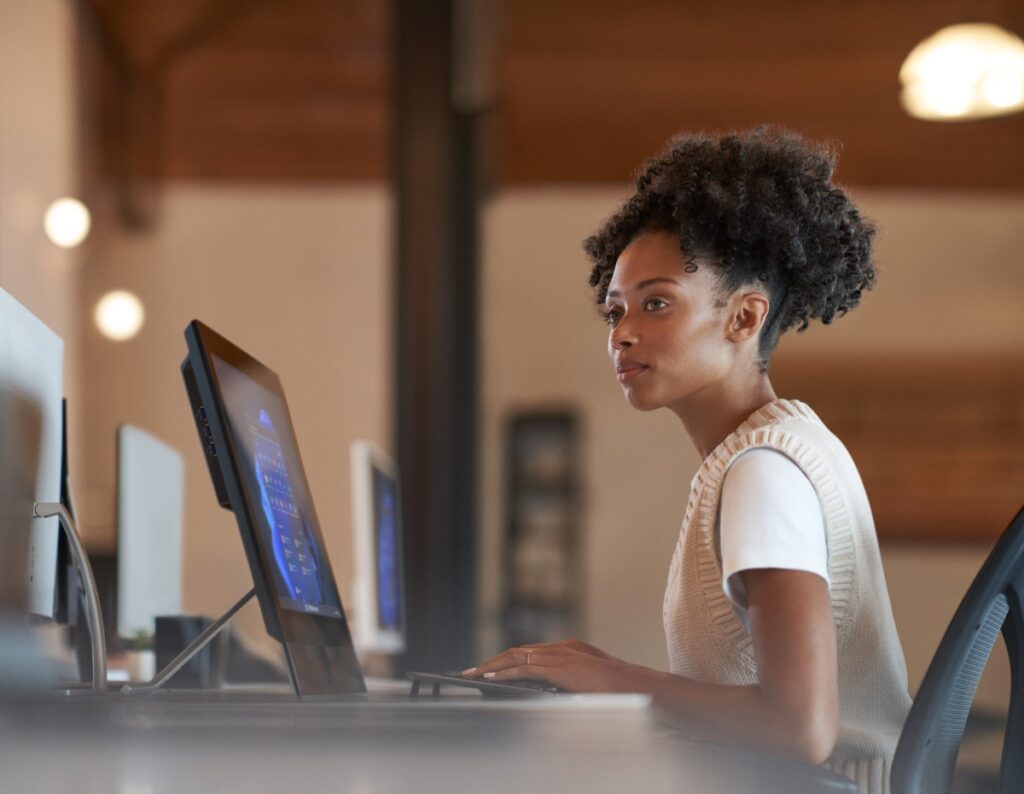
x: 119, y: 315
x: 969, y: 71
x: 67, y: 222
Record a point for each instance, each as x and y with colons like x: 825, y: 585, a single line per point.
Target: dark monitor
x: 63, y: 580
x: 253, y: 457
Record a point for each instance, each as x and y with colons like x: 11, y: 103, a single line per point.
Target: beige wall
x: 951, y: 278
x: 37, y: 136
x: 298, y: 277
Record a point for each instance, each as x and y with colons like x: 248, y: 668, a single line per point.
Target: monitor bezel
x: 300, y: 632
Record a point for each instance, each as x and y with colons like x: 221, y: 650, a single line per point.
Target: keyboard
x: 519, y: 687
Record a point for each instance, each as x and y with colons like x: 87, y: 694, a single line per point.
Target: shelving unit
x: 542, y: 549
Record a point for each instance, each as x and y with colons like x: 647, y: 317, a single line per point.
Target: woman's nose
x: 623, y: 336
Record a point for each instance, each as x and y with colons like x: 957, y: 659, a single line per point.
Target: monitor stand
x: 322, y: 670
x: 314, y: 669
x: 92, y: 600
x: 194, y: 647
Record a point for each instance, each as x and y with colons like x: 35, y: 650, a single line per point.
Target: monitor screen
x: 261, y: 431
x: 387, y: 538
x: 377, y: 535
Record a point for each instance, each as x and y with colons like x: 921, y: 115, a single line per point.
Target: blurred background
x: 384, y: 202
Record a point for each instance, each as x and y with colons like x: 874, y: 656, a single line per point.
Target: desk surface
x: 197, y: 742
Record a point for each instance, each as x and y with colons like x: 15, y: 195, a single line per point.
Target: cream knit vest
x: 707, y: 641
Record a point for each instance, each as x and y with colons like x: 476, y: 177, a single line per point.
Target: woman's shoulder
x: 782, y: 425
x: 792, y: 425
x: 793, y: 429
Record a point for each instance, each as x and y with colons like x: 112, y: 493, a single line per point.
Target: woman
x: 777, y: 618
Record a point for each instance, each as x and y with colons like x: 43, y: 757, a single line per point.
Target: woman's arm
x: 792, y: 711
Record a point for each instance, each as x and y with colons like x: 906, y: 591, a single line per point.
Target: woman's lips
x: 629, y: 373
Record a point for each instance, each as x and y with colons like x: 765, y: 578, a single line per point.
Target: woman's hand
x: 570, y: 664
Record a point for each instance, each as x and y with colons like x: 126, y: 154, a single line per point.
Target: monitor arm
x: 92, y: 601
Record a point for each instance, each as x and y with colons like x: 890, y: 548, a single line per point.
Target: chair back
x: 928, y: 747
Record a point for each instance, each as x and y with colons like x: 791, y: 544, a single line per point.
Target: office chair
x: 927, y: 750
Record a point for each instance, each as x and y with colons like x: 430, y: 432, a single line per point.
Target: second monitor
x: 377, y: 528
x: 150, y: 506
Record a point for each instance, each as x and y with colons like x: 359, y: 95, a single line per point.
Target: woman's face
x: 667, y: 327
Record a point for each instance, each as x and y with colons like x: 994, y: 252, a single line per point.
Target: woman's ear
x: 747, y: 313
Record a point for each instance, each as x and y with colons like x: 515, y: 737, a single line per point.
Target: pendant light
x: 966, y: 71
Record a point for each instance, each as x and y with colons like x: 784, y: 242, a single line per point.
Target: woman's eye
x: 611, y: 316
x: 655, y: 303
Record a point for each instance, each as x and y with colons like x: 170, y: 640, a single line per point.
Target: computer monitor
x: 252, y: 454
x: 378, y: 589
x: 150, y: 500
x: 31, y: 390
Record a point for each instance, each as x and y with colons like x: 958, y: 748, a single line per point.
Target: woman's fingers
x: 556, y: 674
x: 560, y: 664
x: 532, y: 671
x: 527, y: 655
x: 524, y: 656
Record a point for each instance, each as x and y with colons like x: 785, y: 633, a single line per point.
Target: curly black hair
x: 761, y: 207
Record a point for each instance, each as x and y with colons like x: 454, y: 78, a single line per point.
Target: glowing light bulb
x: 963, y: 72
x: 119, y: 315
x: 67, y: 222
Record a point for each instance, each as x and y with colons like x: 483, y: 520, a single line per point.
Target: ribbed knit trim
x: 870, y: 774
x: 761, y: 430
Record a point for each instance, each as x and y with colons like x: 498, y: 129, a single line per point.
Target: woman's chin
x: 640, y: 401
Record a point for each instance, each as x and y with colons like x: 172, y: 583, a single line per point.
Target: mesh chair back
x: 928, y: 746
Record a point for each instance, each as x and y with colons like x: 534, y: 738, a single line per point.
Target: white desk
x: 182, y: 742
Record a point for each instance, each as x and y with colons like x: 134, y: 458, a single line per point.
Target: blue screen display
x: 389, y: 552
x: 263, y: 435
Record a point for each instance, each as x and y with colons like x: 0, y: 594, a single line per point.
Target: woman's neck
x: 712, y: 414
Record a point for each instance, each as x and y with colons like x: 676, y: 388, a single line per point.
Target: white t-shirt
x: 770, y: 517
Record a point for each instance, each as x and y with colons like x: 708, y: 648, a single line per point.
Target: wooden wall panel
x: 939, y: 442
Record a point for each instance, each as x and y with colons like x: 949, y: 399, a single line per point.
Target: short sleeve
x: 770, y: 517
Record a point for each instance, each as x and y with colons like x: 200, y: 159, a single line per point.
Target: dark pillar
x: 436, y: 332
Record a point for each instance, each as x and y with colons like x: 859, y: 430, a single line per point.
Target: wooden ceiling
x: 299, y: 90
x: 590, y: 88
x: 282, y: 90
